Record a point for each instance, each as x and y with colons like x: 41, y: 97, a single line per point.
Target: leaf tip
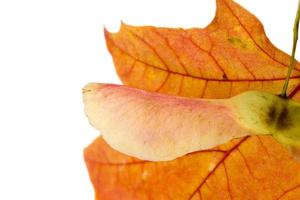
x: 123, y: 23
x: 106, y: 32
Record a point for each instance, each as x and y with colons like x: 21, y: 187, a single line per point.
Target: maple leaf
x: 251, y: 168
x: 228, y: 57
x: 231, y: 55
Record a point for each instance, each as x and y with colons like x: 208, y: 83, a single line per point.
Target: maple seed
x: 158, y: 127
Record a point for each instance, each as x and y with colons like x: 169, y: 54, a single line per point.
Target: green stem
x: 292, y: 61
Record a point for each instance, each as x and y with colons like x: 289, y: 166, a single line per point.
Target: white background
x: 48, y: 51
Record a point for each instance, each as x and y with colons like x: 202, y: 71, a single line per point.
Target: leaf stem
x: 292, y: 61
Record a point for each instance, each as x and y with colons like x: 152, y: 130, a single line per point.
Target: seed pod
x: 159, y: 127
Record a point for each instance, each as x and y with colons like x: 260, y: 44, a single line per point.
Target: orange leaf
x: 248, y: 168
x: 229, y: 56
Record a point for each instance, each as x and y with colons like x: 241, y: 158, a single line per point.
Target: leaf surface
x: 248, y: 168
x: 229, y: 56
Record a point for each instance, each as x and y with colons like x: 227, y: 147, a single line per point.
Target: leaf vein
x: 217, y: 166
x: 201, y: 78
